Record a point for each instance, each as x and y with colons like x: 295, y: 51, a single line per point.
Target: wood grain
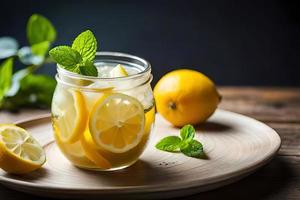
x: 279, y: 180
x: 265, y: 104
x: 9, y: 117
x: 290, y: 135
x: 235, y: 146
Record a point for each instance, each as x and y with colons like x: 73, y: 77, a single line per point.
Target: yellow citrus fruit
x: 117, y: 122
x: 186, y: 97
x: 70, y: 115
x: 20, y: 153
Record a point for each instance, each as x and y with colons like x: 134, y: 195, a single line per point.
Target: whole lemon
x: 186, y: 97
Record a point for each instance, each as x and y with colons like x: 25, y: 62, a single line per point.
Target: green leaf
x: 27, y: 57
x: 66, y: 56
x: 40, y: 29
x: 86, y: 44
x: 8, y: 47
x: 170, y: 143
x: 88, y: 69
x: 41, y: 48
x: 6, y: 69
x: 194, y: 149
x: 187, y: 133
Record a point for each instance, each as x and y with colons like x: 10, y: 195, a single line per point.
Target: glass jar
x: 103, y: 123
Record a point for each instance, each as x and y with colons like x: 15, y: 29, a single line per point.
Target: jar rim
x: 147, y: 68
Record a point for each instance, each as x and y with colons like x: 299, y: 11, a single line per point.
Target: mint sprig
x: 66, y: 56
x: 186, y: 144
x: 80, y: 57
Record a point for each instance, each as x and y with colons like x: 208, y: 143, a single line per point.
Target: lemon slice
x: 91, y: 152
x: 69, y: 115
x: 118, y: 71
x: 19, y: 152
x: 117, y: 122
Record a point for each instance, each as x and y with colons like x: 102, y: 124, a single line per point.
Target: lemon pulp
x: 117, y: 123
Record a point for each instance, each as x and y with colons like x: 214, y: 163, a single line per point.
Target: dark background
x: 233, y: 42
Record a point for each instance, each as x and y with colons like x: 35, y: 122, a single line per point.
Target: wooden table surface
x: 277, y: 107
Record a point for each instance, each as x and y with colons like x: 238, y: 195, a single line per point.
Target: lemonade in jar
x: 104, y: 122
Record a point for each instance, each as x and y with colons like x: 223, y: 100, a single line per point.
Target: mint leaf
x: 6, y: 69
x: 40, y: 29
x: 8, y: 47
x: 170, y: 143
x: 41, y: 48
x: 86, y: 44
x: 85, y: 68
x: 194, y: 149
x: 88, y: 68
x: 187, y: 133
x: 66, y: 57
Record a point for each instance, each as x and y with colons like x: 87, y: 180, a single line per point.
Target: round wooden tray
x: 235, y: 145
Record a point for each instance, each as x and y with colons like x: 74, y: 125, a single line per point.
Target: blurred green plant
x: 25, y: 88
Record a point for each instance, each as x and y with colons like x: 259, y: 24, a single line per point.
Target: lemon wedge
x: 117, y: 122
x: 69, y: 115
x: 118, y: 71
x: 20, y: 153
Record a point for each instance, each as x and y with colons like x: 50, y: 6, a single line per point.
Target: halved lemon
x: 69, y: 114
x: 117, y: 122
x: 19, y: 152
